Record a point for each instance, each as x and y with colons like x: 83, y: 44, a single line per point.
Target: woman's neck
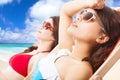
x: 81, y: 50
x: 45, y: 46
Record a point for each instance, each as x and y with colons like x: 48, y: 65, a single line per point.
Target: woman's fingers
x: 96, y: 4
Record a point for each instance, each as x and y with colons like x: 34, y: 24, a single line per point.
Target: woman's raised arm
x: 66, y: 17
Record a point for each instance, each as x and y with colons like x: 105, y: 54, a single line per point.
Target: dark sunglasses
x: 47, y: 26
x: 87, y: 16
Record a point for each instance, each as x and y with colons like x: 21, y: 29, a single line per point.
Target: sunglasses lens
x: 47, y: 25
x: 87, y: 16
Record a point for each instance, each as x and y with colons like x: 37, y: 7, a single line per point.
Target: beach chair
x: 110, y: 69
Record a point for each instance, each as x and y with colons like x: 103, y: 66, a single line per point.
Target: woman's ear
x: 102, y: 39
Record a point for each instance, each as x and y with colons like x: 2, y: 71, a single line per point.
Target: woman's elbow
x: 65, y: 10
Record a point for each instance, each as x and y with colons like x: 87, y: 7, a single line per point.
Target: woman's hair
x: 56, y: 27
x: 30, y: 49
x: 111, y: 23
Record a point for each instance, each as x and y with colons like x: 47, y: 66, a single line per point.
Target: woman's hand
x: 96, y: 4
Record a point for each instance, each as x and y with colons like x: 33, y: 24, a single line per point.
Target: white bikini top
x: 47, y: 66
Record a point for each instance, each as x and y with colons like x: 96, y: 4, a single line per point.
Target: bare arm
x: 10, y: 74
x: 68, y: 10
x: 2, y: 76
x: 79, y: 72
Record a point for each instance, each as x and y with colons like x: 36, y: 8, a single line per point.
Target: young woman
x: 47, y: 39
x: 94, y: 33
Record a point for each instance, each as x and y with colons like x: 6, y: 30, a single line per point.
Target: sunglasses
x: 47, y: 26
x: 89, y: 16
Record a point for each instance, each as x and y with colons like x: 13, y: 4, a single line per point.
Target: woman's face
x: 87, y: 26
x: 45, y: 31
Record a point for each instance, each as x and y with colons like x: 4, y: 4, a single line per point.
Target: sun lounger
x: 110, y: 69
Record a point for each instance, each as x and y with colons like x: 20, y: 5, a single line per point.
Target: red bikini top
x: 19, y: 62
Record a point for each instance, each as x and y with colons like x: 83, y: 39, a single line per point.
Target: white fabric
x: 47, y: 66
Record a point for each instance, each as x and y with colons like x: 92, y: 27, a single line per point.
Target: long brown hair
x: 111, y: 21
x: 56, y: 27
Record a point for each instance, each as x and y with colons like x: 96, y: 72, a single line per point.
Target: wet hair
x: 111, y: 23
x: 56, y: 27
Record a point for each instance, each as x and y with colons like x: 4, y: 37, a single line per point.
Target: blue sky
x: 19, y: 19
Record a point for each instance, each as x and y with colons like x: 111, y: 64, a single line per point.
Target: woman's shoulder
x: 80, y: 71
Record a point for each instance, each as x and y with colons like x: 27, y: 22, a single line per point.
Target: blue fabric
x: 37, y: 75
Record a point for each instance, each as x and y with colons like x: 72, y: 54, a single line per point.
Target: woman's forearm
x: 73, y: 7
